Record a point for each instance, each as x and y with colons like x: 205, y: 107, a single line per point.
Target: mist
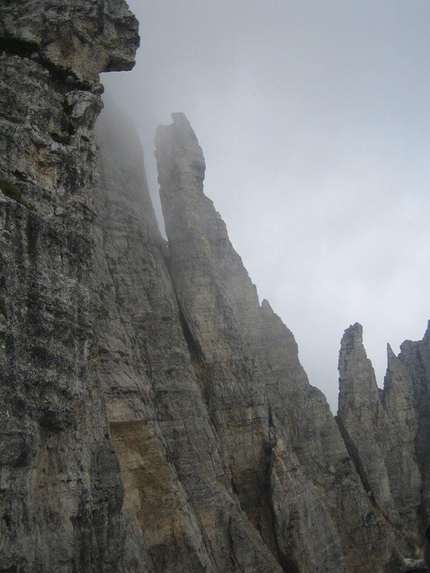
x: 314, y: 120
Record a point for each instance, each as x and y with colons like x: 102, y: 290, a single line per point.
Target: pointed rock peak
x: 270, y: 316
x: 177, y: 144
x: 186, y: 135
x: 393, y: 366
x: 355, y: 330
x: 394, y: 363
x: 352, y: 338
x: 355, y: 369
x: 427, y: 333
x: 390, y: 353
x: 396, y: 375
x: 180, y: 119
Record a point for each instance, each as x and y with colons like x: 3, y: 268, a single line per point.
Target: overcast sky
x: 314, y: 118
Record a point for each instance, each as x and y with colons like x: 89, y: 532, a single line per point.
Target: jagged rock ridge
x: 257, y: 393
x: 155, y: 417
x: 386, y: 430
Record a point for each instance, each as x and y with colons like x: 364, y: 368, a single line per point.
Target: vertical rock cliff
x: 180, y: 506
x: 61, y: 489
x: 415, y: 357
x: 382, y: 431
x: 154, y: 416
x: 289, y: 465
x: 219, y: 305
x: 337, y: 509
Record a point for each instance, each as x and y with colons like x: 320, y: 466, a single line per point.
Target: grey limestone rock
x: 180, y: 507
x: 401, y: 459
x: 219, y: 306
x: 328, y: 481
x: 77, y: 39
x: 60, y: 482
x: 415, y: 357
x: 380, y: 429
x: 154, y: 417
x: 289, y: 465
x: 362, y: 415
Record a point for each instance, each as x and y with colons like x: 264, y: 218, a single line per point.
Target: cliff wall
x: 290, y: 468
x: 156, y: 417
x: 61, y: 489
x: 386, y: 432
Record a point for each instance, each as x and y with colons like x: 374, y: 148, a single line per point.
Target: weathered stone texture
x: 77, y: 39
x: 400, y: 456
x: 61, y: 489
x: 289, y: 465
x: 380, y: 428
x: 332, y: 504
x: 154, y: 417
x: 209, y: 283
x: 415, y: 357
x: 362, y: 415
x: 178, y: 487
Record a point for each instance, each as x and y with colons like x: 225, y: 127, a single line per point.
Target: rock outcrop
x: 61, y: 489
x: 339, y: 505
x: 154, y: 416
x: 380, y: 428
x: 179, y: 502
x: 75, y: 40
x: 415, y: 357
x: 289, y: 465
x: 219, y: 306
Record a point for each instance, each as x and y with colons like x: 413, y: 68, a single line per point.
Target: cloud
x: 314, y: 120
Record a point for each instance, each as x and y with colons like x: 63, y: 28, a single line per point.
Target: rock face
x: 380, y: 429
x: 180, y: 506
x: 219, y: 305
x: 338, y: 506
x: 415, y: 357
x: 74, y: 40
x: 61, y: 487
x: 289, y: 465
x: 154, y: 416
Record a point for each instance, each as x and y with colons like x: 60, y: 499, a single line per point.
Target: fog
x: 314, y: 118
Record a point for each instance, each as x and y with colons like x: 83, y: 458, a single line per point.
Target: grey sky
x: 314, y: 118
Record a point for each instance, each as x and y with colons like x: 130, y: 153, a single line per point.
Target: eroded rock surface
x: 179, y: 500
x: 415, y: 357
x: 154, y: 417
x: 218, y: 303
x: 61, y: 489
x: 289, y: 465
x: 77, y: 39
x: 330, y: 485
x: 380, y: 429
